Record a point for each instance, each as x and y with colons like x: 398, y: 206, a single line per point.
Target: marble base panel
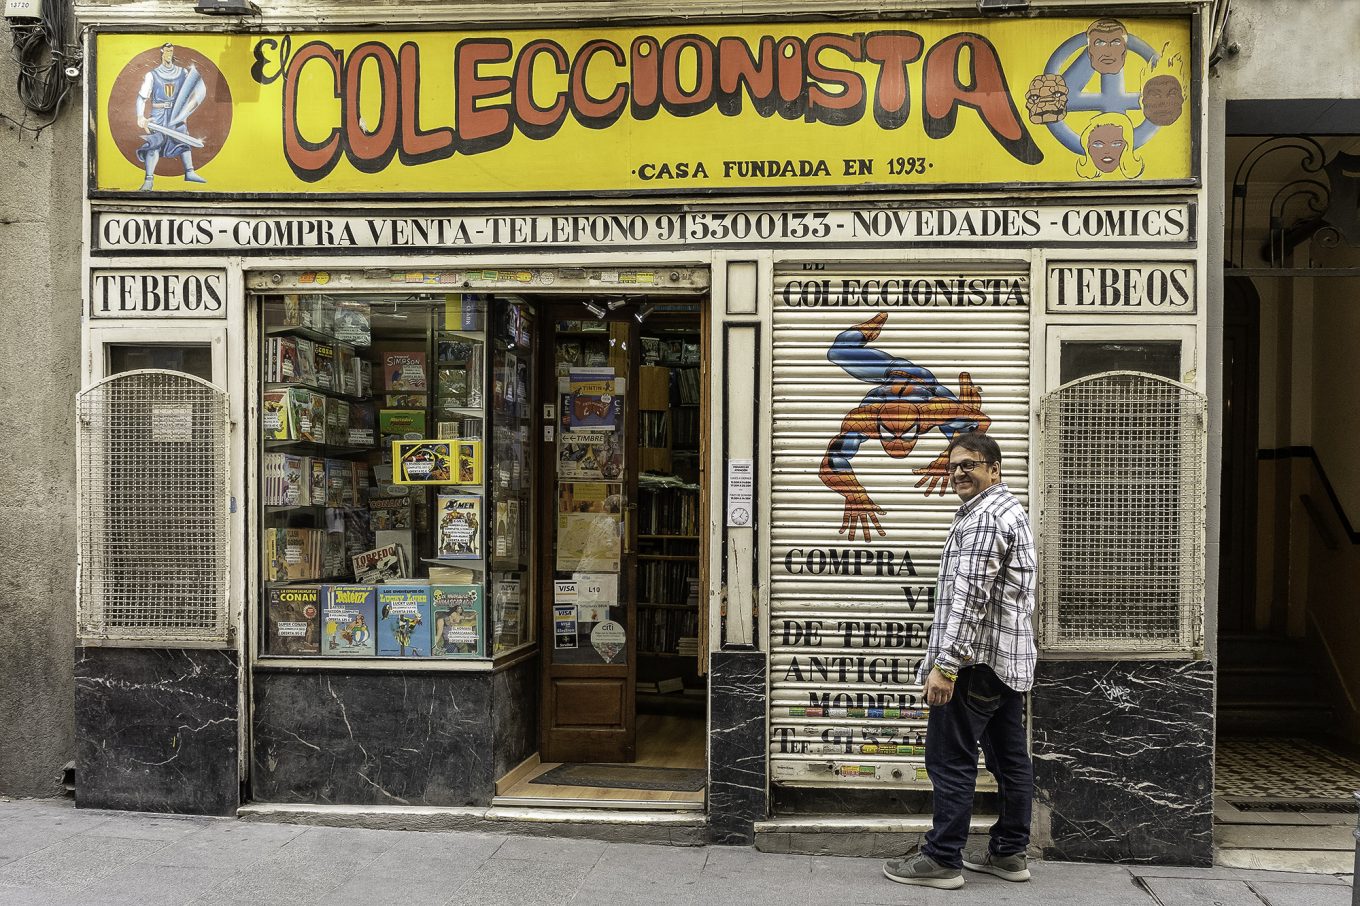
x: 157, y: 730
x: 737, y: 780
x: 367, y: 738
x: 514, y: 702
x: 1123, y: 761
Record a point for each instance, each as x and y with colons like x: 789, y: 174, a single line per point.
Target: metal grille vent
x: 1123, y: 515
x: 153, y: 519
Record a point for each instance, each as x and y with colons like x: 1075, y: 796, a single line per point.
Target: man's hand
x: 860, y: 510
x: 938, y: 689
x: 141, y: 123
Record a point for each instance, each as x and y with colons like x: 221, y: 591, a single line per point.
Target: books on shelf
x: 661, y: 629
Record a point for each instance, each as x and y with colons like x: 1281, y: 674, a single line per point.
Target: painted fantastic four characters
x: 1106, y: 145
x: 906, y: 402
x: 173, y: 94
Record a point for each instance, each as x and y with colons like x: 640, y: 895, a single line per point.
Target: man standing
x: 978, y: 665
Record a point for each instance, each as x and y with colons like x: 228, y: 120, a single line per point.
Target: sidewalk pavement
x: 52, y: 853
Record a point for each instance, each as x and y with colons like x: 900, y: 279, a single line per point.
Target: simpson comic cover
x: 404, y: 371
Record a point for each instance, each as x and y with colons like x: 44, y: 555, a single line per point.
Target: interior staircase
x: 1269, y: 685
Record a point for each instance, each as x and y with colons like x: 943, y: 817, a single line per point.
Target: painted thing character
x: 906, y: 403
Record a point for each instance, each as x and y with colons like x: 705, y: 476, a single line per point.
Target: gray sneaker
x: 1009, y: 868
x: 919, y: 869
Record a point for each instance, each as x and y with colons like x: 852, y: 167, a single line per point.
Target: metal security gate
x: 872, y: 371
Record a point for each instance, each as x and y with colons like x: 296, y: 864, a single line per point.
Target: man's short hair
x: 976, y: 442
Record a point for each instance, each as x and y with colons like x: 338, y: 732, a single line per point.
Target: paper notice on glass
x: 740, y: 492
x: 588, y: 542
x: 597, y: 588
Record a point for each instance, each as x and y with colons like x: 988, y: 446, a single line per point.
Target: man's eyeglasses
x: 966, y: 465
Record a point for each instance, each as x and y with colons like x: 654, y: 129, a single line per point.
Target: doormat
x: 1293, y: 805
x: 625, y: 777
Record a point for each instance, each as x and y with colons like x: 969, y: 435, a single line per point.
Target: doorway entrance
x: 622, y: 383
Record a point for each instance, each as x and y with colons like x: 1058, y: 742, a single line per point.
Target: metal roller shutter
x: 850, y: 616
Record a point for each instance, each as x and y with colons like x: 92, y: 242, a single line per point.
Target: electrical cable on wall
x: 48, y: 60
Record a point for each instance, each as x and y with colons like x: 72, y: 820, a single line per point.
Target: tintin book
x: 403, y: 620
x: 347, y: 621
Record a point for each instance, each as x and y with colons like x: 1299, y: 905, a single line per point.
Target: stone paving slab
x: 1201, y: 892
x: 65, y: 857
x: 1303, y: 894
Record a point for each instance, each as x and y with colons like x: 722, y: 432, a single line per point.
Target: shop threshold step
x: 871, y: 836
x: 633, y: 826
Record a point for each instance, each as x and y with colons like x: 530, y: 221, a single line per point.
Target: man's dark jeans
x: 984, y: 709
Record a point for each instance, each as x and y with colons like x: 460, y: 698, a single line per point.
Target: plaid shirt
x: 984, y: 602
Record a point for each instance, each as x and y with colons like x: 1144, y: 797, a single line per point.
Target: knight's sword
x: 176, y: 135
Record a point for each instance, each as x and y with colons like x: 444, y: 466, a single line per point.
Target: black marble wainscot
x: 737, y: 782
x: 1124, y: 760
x: 157, y: 730
x: 373, y: 738
x: 514, y: 706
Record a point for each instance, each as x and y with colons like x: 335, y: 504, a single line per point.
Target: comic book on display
x: 324, y: 358
x: 403, y: 620
x: 464, y: 311
x: 592, y: 400
x: 283, y: 480
x: 363, y: 425
x: 457, y: 613
x: 381, y: 564
x: 276, y: 418
x: 293, y: 620
x: 590, y: 455
x: 354, y: 322
x: 388, y: 511
x: 460, y: 371
x: 346, y: 375
x: 400, y: 424
x: 459, y: 527
x: 404, y: 371
x: 294, y: 413
x: 467, y: 461
x: 423, y: 462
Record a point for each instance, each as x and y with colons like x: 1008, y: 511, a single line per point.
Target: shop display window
x: 395, y: 467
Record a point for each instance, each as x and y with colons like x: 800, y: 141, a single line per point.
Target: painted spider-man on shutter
x: 906, y: 403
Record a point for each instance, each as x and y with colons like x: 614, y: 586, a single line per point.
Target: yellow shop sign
x: 725, y: 108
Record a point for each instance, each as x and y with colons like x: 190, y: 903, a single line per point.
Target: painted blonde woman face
x: 1106, y: 145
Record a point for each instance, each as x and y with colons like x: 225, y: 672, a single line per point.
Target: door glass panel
x: 190, y: 358
x: 1081, y: 358
x: 589, y: 608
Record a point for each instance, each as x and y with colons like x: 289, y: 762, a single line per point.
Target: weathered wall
x: 40, y: 194
x: 1285, y: 54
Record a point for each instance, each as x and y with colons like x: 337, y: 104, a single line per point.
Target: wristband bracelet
x: 952, y: 677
